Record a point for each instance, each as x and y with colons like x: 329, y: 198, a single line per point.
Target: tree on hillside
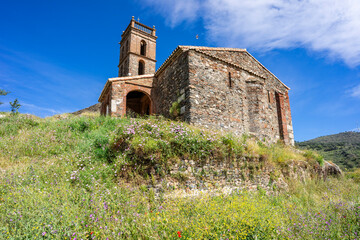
x: 15, y: 105
x: 3, y: 93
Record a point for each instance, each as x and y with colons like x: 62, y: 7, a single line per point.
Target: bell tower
x: 137, y: 50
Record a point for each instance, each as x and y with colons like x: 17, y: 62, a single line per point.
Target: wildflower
x: 43, y: 233
x: 179, y: 234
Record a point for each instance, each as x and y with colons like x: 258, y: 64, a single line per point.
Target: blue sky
x: 55, y: 56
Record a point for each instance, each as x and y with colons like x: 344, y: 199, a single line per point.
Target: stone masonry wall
x: 271, y: 86
x: 247, y: 106
x: 134, y: 65
x: 247, y: 173
x: 250, y: 173
x: 172, y: 85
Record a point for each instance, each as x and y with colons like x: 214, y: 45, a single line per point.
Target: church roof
x: 241, y: 59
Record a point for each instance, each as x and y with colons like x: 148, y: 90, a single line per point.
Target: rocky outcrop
x: 330, y: 169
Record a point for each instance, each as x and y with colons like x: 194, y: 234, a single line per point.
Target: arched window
x: 141, y: 69
x: 127, y: 46
x: 126, y: 68
x: 121, y: 71
x: 122, y: 53
x: 143, y: 48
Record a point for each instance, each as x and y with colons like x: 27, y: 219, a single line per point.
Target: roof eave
x: 172, y: 56
x: 268, y: 70
x: 104, y: 90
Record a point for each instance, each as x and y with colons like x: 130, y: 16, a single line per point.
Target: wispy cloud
x: 327, y: 26
x: 43, y: 88
x: 31, y: 108
x: 355, y: 91
x: 176, y: 11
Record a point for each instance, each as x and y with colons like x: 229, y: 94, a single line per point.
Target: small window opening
x: 141, y: 68
x: 122, y: 52
x: 126, y: 68
x: 230, y: 81
x: 127, y: 46
x: 143, y: 48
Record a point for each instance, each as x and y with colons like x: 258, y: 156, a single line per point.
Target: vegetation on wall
x: 175, y: 110
x: 88, y: 177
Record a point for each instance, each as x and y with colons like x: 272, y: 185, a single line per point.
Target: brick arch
x: 138, y: 101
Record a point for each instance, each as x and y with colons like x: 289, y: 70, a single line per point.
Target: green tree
x: 3, y: 93
x: 15, y: 105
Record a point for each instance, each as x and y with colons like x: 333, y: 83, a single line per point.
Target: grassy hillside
x: 87, y: 177
x: 342, y: 149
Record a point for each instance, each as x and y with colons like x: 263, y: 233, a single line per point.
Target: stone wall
x: 248, y: 173
x: 262, y: 88
x: 223, y: 96
x: 171, y: 85
x: 134, y: 64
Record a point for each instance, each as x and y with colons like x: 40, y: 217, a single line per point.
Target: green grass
x: 88, y: 178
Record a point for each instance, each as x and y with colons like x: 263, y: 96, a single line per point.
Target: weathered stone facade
x: 215, y: 88
x: 172, y: 84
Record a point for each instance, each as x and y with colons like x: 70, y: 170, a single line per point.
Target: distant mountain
x: 342, y: 148
x: 92, y: 109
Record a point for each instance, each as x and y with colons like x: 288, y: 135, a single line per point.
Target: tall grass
x: 88, y: 177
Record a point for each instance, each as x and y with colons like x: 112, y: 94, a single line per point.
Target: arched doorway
x: 138, y: 103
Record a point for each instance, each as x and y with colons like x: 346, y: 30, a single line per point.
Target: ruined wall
x: 226, y: 97
x: 172, y: 84
x: 246, y: 173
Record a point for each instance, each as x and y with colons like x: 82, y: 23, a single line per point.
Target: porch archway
x: 138, y: 102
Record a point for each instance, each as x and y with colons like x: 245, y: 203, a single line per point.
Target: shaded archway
x: 138, y: 103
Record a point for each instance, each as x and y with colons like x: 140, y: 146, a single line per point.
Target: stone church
x: 215, y: 88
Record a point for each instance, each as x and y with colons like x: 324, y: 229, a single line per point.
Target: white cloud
x: 34, y: 108
x: 176, y: 11
x: 327, y: 26
x: 355, y: 92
